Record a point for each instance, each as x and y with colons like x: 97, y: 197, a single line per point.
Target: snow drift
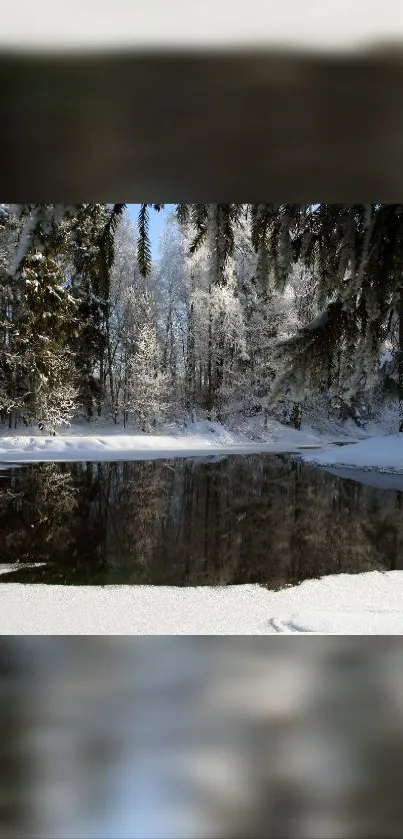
x: 383, y: 453
x: 370, y: 603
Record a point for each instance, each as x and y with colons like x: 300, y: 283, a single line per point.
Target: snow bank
x: 95, y: 441
x: 370, y: 603
x: 384, y: 453
x: 369, y: 477
x: 12, y: 567
x: 211, y: 439
x: 255, y: 428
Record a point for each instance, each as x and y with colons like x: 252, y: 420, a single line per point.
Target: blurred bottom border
x: 201, y: 736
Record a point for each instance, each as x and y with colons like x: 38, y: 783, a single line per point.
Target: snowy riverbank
x: 382, y: 453
x: 94, y: 442
x: 370, y: 603
x: 130, y: 447
x: 88, y: 442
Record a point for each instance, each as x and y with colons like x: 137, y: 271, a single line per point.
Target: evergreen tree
x: 9, y: 234
x: 170, y: 286
x: 124, y: 276
x: 88, y: 289
x: 146, y: 388
x: 36, y: 362
x: 355, y: 253
x: 42, y: 375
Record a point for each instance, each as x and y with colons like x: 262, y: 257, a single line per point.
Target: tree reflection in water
x: 271, y: 520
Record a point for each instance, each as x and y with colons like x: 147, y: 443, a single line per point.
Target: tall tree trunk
x: 168, y: 331
x: 102, y: 384
x: 210, y: 395
x: 172, y: 357
x: 190, y: 361
x: 110, y: 362
x: 220, y: 365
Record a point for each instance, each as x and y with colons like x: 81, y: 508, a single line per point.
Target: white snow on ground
x: 383, y: 453
x: 370, y: 603
x: 87, y: 442
x: 254, y: 428
x: 370, y: 477
x: 330, y: 427
x: 11, y: 567
x: 36, y: 450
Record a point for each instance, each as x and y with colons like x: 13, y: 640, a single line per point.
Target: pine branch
x: 310, y: 352
x: 182, y: 213
x: 144, y: 244
x: 198, y: 240
x: 26, y: 239
x: 107, y: 247
x: 198, y: 218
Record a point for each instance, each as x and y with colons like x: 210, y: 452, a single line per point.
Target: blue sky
x: 156, y: 224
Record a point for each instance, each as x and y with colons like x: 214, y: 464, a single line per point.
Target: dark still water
x: 261, y: 519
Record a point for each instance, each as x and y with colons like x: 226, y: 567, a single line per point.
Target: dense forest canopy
x: 252, y: 308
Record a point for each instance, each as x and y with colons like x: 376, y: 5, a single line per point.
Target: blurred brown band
x: 238, y: 126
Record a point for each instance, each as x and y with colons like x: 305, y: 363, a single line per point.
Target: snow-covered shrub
x: 56, y: 408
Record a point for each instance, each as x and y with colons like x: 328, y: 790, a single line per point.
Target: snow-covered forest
x: 284, y: 311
